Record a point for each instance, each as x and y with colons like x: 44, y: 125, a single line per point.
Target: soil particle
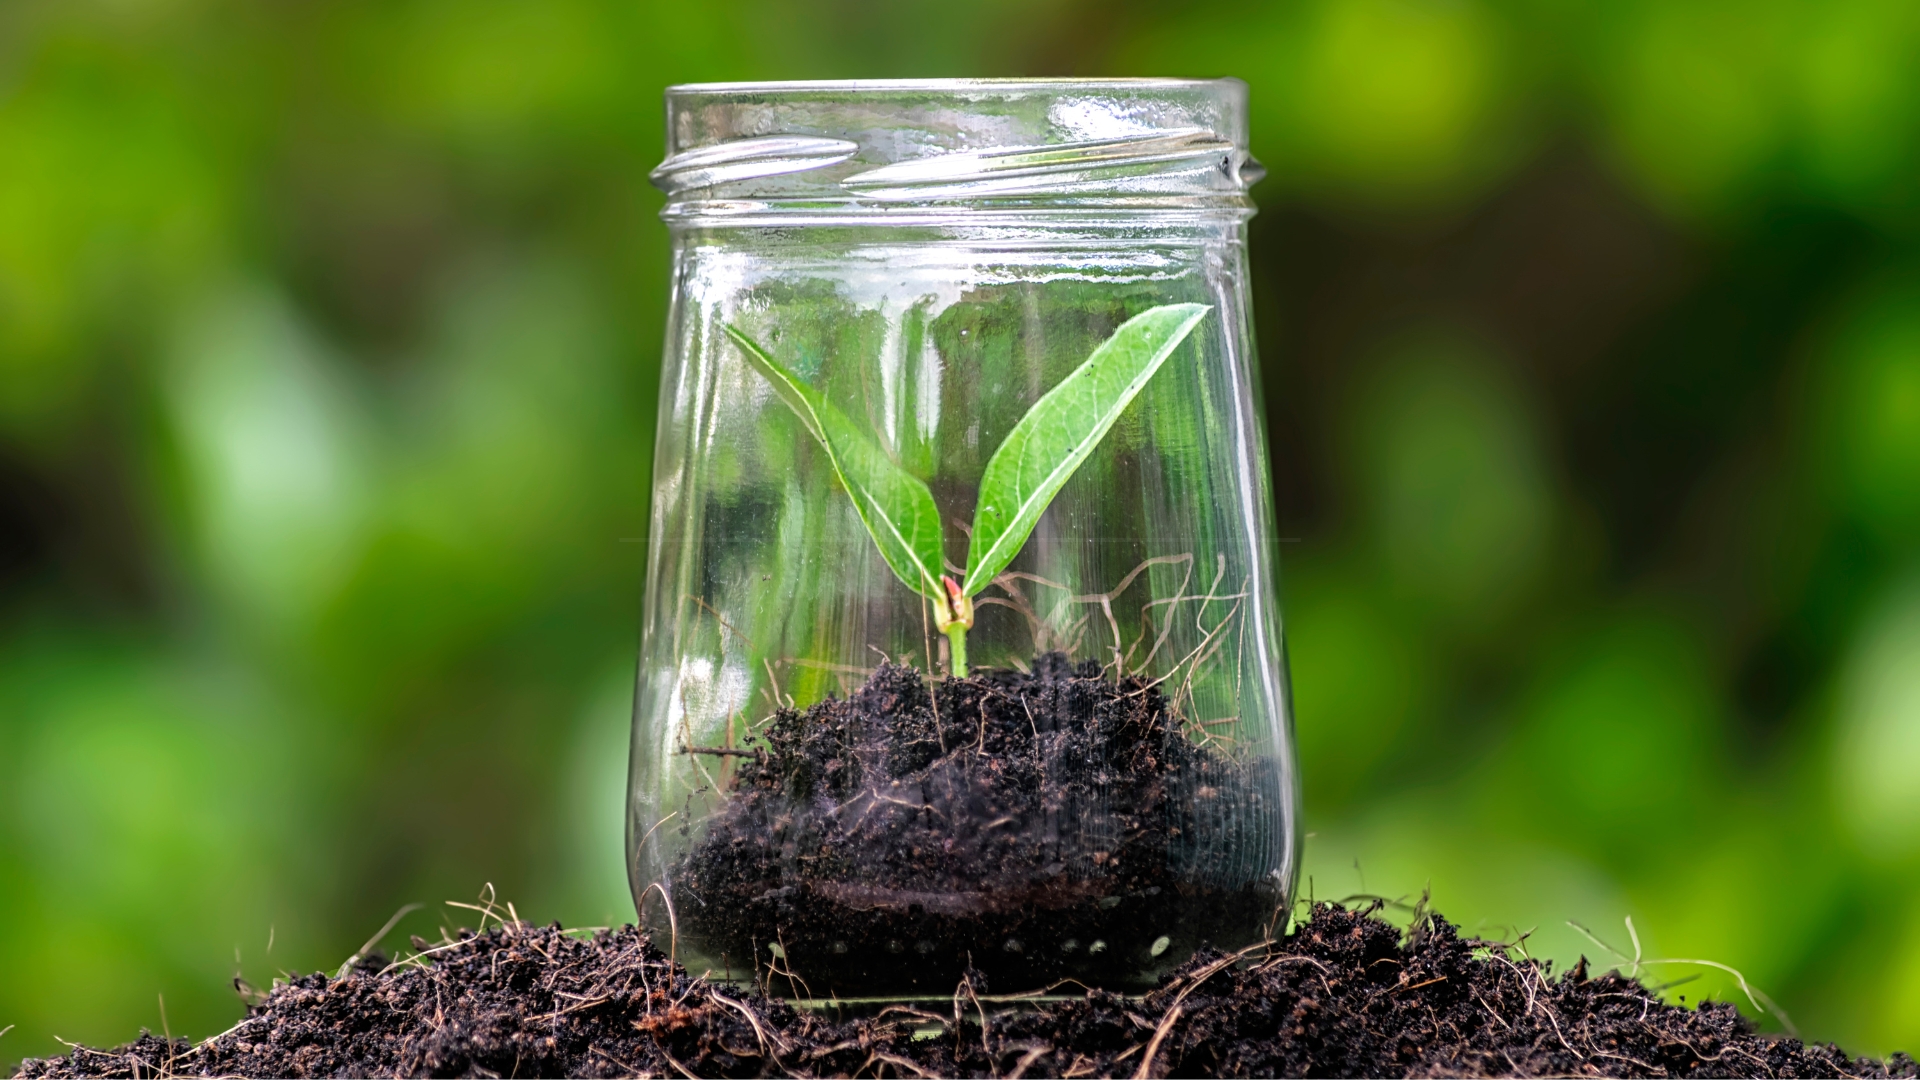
x: 1028, y: 826
x: 1345, y: 994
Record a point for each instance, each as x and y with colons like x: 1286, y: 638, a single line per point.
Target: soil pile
x: 1026, y: 826
x: 1345, y: 994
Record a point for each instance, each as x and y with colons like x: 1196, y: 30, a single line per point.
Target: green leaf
x: 1061, y: 430
x: 893, y: 504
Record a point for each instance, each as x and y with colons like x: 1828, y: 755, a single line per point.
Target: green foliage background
x: 328, y: 343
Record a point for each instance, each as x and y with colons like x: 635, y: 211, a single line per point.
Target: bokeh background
x: 329, y: 336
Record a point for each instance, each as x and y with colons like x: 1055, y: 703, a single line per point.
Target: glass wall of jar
x: 961, y: 646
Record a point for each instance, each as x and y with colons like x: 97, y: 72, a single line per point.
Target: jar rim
x: 777, y: 86
x: 1127, y: 144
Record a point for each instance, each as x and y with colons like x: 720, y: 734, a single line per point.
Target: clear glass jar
x: 877, y: 289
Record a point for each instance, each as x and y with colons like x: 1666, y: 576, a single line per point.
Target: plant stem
x: 957, y: 635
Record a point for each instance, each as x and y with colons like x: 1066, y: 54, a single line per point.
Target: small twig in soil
x: 721, y: 751
x: 838, y: 669
x: 779, y: 1045
x: 385, y: 929
x: 682, y: 1069
x: 631, y: 1071
x: 486, y: 908
x: 898, y: 1062
x: 1216, y: 967
x: 1278, y: 960
x: 708, y: 608
x: 1033, y: 1054
x: 643, y: 840
x: 673, y: 924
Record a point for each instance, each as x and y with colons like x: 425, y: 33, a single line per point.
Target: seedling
x: 1028, y: 469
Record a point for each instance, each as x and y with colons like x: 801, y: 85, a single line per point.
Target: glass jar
x: 961, y: 650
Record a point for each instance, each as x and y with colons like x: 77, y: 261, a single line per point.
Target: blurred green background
x: 329, y: 336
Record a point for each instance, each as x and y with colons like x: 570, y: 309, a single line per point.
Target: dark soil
x: 1029, y: 827
x: 1346, y: 994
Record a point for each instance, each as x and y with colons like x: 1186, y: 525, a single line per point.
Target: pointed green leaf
x: 895, y: 505
x: 1061, y: 430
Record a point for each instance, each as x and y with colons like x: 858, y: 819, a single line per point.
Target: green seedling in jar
x: 1028, y: 469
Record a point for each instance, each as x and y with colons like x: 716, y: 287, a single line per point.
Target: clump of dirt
x: 1345, y: 994
x: 1030, y: 827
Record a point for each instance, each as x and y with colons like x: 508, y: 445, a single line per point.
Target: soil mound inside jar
x: 1025, y: 827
